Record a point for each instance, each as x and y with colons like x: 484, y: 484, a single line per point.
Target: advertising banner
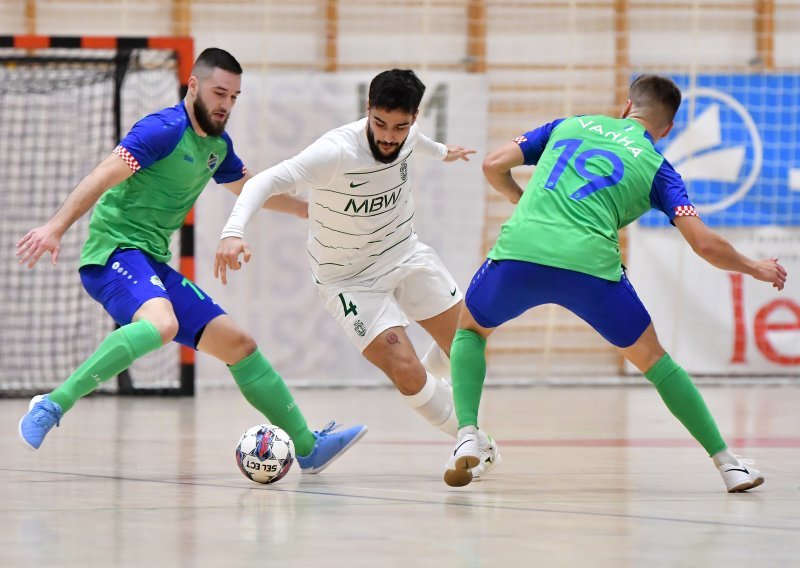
x: 736, y: 143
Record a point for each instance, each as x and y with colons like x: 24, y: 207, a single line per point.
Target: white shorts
x: 419, y: 288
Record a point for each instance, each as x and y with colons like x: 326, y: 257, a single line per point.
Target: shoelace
x: 44, y: 417
x: 330, y: 427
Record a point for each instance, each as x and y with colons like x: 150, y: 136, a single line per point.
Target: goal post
x: 66, y: 102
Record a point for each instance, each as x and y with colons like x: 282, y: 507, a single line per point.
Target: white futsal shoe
x: 489, y: 455
x: 741, y: 476
x: 475, y: 455
x: 466, y: 455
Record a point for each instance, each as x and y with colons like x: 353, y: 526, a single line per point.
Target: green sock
x: 686, y: 403
x: 264, y: 388
x: 468, y: 371
x: 115, y: 354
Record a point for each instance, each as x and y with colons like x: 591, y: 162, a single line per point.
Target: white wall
x: 544, y: 61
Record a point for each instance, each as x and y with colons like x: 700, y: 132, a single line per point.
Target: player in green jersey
x: 594, y: 175
x: 143, y: 191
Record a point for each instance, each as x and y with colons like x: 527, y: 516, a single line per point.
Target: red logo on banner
x: 761, y: 326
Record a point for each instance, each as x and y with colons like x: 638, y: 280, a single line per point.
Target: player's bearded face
x: 212, y: 121
x: 214, y: 97
x: 387, y: 131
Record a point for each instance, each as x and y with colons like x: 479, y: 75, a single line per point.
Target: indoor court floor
x: 600, y: 477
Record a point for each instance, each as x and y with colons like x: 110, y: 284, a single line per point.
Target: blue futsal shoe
x: 42, y: 415
x: 330, y: 445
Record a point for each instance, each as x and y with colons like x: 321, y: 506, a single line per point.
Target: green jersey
x: 172, y: 164
x: 594, y: 175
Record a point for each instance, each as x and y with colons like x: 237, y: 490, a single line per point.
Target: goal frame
x: 183, y: 47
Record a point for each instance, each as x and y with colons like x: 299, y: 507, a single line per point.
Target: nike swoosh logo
x: 457, y: 447
x: 357, y: 184
x: 453, y: 293
x: 737, y: 469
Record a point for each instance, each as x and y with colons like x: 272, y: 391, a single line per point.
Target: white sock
x: 435, y: 404
x: 725, y: 457
x: 436, y: 362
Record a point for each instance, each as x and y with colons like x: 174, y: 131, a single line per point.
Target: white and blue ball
x: 265, y: 453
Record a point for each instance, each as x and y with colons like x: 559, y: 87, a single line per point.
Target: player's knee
x: 247, y: 344
x: 167, y: 327
x: 407, y: 374
x: 242, y: 344
x: 645, y: 352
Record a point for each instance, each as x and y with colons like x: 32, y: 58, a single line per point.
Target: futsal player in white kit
x: 372, y: 272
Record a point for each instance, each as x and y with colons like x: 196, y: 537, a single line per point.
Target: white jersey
x: 360, y: 210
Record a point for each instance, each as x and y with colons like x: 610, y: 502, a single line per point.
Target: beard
x: 376, y: 151
x: 203, y: 117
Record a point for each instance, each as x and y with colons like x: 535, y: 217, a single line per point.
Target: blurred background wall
x: 495, y: 69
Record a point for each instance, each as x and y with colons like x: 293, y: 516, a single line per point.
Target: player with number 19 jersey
x: 594, y: 175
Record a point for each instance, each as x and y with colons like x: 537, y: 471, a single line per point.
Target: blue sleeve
x: 668, y: 193
x: 533, y: 143
x: 155, y: 136
x: 232, y: 168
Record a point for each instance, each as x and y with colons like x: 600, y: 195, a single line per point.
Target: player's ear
x: 414, y: 116
x: 626, y: 110
x: 667, y: 129
x: 194, y: 85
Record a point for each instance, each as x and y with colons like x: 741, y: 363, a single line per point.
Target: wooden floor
x: 591, y: 477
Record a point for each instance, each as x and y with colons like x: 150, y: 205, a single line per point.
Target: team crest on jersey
x: 156, y: 281
x: 360, y: 328
x: 212, y: 161
x: 403, y: 170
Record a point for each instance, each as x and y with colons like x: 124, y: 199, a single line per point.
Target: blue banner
x: 736, y: 143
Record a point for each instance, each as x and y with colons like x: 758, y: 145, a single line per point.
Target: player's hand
x: 770, y: 270
x: 458, y: 153
x: 38, y: 241
x: 228, y: 253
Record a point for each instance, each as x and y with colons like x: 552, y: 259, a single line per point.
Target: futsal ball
x: 265, y: 453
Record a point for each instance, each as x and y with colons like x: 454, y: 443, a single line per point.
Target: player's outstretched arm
x: 253, y: 195
x: 288, y: 204
x: 281, y: 203
x: 458, y: 153
x: 497, y: 169
x: 227, y: 256
x: 717, y: 251
x: 322, y: 156
x: 47, y: 238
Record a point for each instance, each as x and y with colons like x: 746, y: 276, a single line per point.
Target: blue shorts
x: 131, y: 277
x: 503, y: 289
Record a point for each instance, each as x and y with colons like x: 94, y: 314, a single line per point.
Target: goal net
x: 63, y: 111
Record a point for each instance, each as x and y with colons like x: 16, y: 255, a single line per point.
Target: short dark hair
x: 214, y: 57
x: 396, y: 89
x: 656, y: 94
